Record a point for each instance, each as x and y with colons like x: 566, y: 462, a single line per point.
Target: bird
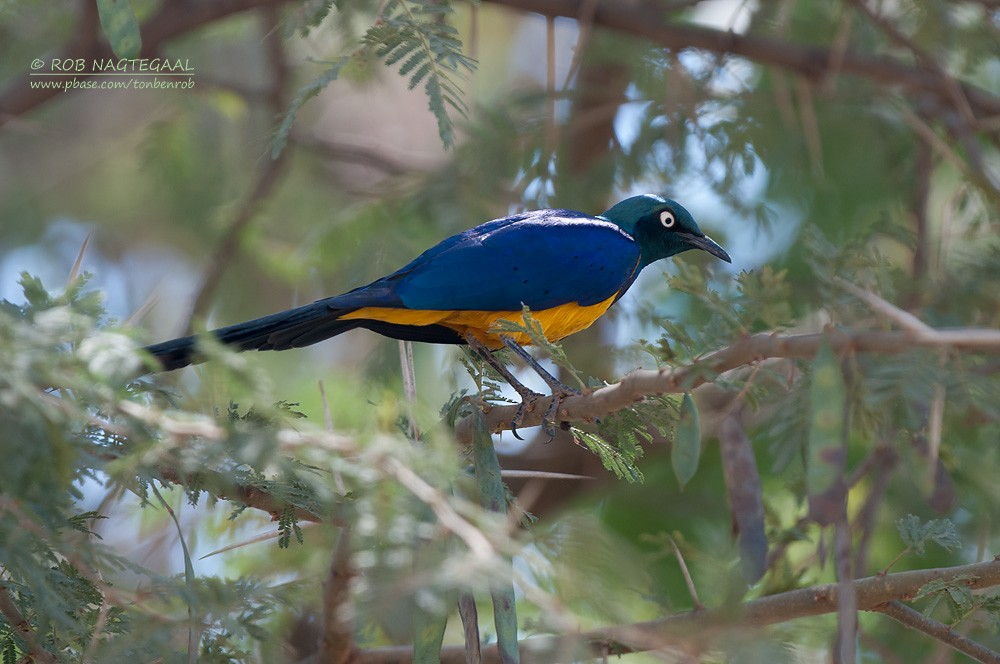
x: 567, y: 267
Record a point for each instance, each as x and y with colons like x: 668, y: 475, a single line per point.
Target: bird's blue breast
x: 543, y: 259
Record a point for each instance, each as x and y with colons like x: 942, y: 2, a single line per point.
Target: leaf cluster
x: 101, y: 430
x: 414, y: 34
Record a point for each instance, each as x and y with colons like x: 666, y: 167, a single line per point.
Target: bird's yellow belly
x: 557, y: 322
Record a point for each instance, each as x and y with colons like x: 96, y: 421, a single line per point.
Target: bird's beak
x: 707, y: 244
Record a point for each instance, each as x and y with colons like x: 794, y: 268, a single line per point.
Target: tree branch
x: 918, y: 621
x: 221, y: 487
x: 872, y: 593
x: 641, y: 383
x: 19, y: 624
x: 218, y: 484
x: 647, y: 20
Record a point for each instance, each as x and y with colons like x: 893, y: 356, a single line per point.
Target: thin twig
x: 698, y: 606
x: 99, y: 625
x: 255, y: 539
x: 478, y: 544
x: 847, y: 606
x: 193, y: 638
x: 909, y: 322
x: 353, y: 152
x: 409, y: 385
x: 926, y: 133
x: 550, y: 84
x: 904, y: 319
x: 914, y: 619
x: 543, y: 475
x: 950, y: 85
x: 584, y: 25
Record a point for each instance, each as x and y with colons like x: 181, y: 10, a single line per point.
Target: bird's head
x: 661, y: 227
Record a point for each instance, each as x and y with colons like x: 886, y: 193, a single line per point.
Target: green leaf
x: 916, y: 533
x: 307, y: 91
x: 621, y: 465
x: 34, y: 292
x: 416, y: 34
x: 120, y: 27
x: 428, y: 635
x: 686, y: 450
x: 941, y: 585
x: 825, y: 443
x: 8, y: 647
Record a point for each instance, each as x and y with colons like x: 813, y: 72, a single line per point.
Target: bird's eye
x: 667, y: 219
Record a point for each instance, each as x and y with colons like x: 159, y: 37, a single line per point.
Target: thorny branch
x: 746, y: 350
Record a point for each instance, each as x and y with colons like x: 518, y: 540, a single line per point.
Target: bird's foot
x: 550, y: 419
x: 527, y: 397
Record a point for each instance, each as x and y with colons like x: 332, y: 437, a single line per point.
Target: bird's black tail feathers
x: 288, y: 329
x: 295, y: 328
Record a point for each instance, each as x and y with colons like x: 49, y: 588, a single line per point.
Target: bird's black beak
x: 706, y: 243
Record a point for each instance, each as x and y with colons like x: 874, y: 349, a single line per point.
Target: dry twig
x: 746, y: 350
x: 914, y: 619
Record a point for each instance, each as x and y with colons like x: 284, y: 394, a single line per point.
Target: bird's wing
x: 542, y: 259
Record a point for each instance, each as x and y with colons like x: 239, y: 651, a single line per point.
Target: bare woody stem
x: 873, y: 593
x: 943, y: 633
x: 746, y: 350
x: 19, y: 624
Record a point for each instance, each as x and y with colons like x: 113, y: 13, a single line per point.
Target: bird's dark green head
x: 661, y: 227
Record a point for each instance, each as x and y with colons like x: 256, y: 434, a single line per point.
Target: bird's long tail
x: 294, y: 328
x: 302, y: 326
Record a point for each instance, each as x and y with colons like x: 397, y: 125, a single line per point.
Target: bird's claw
x: 549, y: 419
x: 516, y: 422
x: 528, y: 397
